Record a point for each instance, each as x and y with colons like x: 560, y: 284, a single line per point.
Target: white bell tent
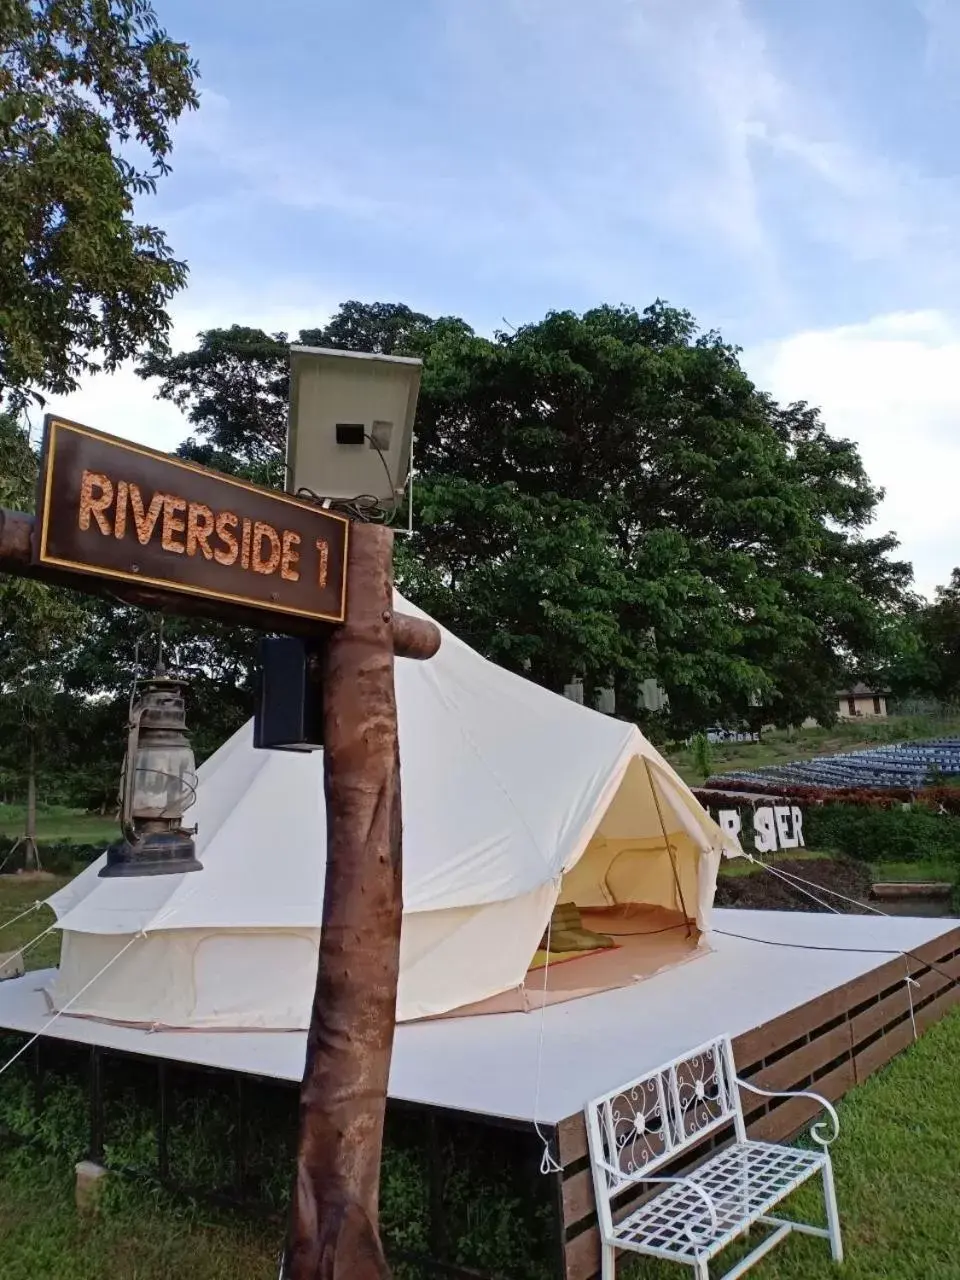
x: 514, y: 799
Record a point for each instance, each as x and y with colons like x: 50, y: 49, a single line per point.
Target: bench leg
x: 608, y: 1262
x: 701, y: 1271
x: 833, y: 1216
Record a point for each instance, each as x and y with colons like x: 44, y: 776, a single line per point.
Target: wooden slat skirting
x: 828, y: 1045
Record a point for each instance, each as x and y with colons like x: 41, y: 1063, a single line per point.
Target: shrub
x: 496, y: 1211
x: 62, y: 858
x: 702, y: 755
x: 905, y: 834
x: 940, y: 799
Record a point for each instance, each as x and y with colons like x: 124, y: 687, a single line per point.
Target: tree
x: 233, y: 390
x: 938, y: 634
x: 388, y: 328
x: 217, y: 661
x: 605, y: 495
x: 39, y: 628
x: 531, y: 581
x: 737, y: 521
x: 233, y: 386
x: 87, y: 87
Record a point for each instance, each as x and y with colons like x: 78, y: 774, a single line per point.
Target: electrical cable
x: 864, y: 951
x: 386, y: 469
x: 795, y: 882
x: 365, y: 507
x: 822, y: 946
x: 648, y: 933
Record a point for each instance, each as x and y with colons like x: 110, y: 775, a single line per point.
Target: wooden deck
x: 828, y: 1045
x: 808, y: 998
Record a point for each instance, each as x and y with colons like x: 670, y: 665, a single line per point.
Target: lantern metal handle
x: 129, y: 773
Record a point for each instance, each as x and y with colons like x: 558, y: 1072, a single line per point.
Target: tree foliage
x: 89, y: 90
x: 122, y: 646
x: 607, y: 495
x: 69, y: 662
x: 37, y: 622
x: 41, y: 628
x: 935, y: 647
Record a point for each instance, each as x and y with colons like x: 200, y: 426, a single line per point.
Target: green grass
x: 782, y: 746
x: 898, y: 1180
x: 898, y: 1184
x: 916, y: 872
x: 56, y: 823
x: 138, y: 1236
x: 897, y: 1173
x: 17, y: 894
x: 734, y: 867
x: 883, y: 872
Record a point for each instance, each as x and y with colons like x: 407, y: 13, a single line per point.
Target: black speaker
x: 289, y: 712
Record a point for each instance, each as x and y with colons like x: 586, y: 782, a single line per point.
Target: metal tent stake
x: 333, y: 1226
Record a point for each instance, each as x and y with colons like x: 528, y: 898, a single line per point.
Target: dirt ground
x: 764, y: 891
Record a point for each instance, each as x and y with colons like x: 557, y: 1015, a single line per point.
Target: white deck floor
x: 488, y: 1064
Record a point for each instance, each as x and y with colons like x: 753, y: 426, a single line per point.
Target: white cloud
x: 942, y: 19
x: 626, y: 148
x: 682, y: 120
x: 891, y: 385
x: 646, y: 105
x: 717, y: 65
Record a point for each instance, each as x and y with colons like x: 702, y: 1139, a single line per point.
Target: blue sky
x: 786, y: 169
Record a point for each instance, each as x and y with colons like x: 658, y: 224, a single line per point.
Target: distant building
x: 653, y: 696
x: 574, y: 690
x: 606, y: 701
x: 859, y: 702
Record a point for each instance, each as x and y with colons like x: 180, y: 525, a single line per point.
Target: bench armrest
x: 818, y: 1131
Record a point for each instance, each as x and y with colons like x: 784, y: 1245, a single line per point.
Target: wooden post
x: 333, y: 1230
x: 31, y: 858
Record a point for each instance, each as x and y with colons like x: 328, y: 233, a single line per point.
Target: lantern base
x: 157, y: 853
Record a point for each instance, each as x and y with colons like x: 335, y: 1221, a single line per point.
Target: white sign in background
x: 774, y: 827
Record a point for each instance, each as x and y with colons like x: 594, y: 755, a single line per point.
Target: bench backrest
x: 645, y: 1124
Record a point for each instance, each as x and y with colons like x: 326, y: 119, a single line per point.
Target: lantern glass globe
x: 165, y: 781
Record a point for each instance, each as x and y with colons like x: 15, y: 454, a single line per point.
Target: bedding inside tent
x: 631, y: 906
x: 515, y: 800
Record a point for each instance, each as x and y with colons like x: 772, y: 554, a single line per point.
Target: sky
x: 787, y: 170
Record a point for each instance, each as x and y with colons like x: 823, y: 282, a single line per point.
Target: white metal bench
x: 654, y: 1120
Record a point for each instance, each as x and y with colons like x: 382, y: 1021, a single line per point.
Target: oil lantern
x: 159, y: 784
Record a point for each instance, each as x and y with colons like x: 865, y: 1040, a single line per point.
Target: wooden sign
x: 118, y: 510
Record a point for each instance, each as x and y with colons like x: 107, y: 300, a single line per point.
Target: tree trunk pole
x: 334, y: 1231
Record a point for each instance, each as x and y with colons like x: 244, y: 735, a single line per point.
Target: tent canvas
x: 514, y: 798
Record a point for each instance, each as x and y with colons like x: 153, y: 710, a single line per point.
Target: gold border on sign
x: 91, y: 433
